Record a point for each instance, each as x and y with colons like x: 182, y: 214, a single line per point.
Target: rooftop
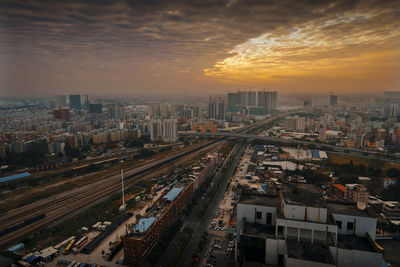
x: 260, y: 199
x: 144, y: 224
x: 346, y: 208
x: 259, y: 230
x: 307, y: 251
x: 354, y: 242
x: 303, y: 195
x: 173, y: 193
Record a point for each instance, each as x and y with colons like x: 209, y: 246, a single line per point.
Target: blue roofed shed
x: 173, y: 194
x: 14, y: 177
x: 144, y: 224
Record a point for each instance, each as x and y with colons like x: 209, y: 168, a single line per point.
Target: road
x: 199, y: 227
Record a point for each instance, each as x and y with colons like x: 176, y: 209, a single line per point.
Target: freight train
x: 19, y: 225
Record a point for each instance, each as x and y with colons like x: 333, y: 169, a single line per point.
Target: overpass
x: 349, y: 151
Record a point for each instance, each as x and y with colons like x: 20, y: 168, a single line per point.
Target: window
x: 350, y: 225
x: 269, y: 218
x: 258, y: 215
x: 339, y: 224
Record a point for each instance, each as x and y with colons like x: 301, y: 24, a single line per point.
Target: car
x: 217, y: 246
x: 212, y: 256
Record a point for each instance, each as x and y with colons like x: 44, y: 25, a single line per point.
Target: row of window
x: 268, y: 216
x: 350, y: 225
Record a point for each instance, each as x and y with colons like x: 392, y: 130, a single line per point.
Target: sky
x: 104, y: 47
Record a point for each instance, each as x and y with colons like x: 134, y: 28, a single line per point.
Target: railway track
x: 60, y: 206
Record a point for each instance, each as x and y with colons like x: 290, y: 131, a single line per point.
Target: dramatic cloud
x: 161, y: 47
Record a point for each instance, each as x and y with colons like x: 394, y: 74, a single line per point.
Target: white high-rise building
x: 169, y: 131
x: 155, y: 129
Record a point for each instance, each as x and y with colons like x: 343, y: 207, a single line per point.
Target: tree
x: 348, y: 178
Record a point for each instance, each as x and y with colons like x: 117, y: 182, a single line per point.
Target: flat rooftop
x: 260, y: 199
x: 354, y: 242
x: 307, y: 251
x: 346, y: 209
x: 259, y: 230
x: 303, y: 195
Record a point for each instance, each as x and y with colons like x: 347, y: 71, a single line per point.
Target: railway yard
x: 22, y: 221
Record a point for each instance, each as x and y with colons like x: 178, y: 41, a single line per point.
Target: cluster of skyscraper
x: 256, y: 102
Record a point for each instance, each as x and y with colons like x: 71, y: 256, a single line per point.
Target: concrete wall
x: 274, y: 248
x: 302, y: 213
x: 355, y: 258
x: 362, y: 225
x: 249, y: 212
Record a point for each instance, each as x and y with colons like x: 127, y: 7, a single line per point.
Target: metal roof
x: 144, y: 224
x: 173, y: 193
x: 14, y: 177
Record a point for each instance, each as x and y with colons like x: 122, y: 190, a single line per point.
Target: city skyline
x: 162, y: 48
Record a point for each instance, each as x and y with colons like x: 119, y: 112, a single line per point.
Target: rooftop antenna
x: 123, y: 206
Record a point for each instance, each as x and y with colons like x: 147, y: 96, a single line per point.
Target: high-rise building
x: 95, y: 108
x: 62, y: 114
x: 260, y: 102
x: 155, y: 128
x: 233, y: 102
x: 75, y: 102
x: 212, y: 109
x: 86, y: 101
x: 61, y: 101
x: 155, y: 110
x: 169, y: 130
x: 188, y: 113
x: 307, y: 107
x: 333, y: 100
x: 221, y: 110
x: 295, y: 123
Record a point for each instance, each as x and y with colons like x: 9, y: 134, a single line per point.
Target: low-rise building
x: 356, y: 193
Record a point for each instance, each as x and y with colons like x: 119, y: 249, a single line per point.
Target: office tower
x: 333, y: 100
x: 62, y: 114
x: 155, y: 129
x: 86, y: 101
x: 221, y: 110
x: 188, y: 113
x: 61, y: 101
x: 169, y: 131
x: 233, y: 102
x: 212, y: 109
x: 95, y: 108
x: 75, y: 102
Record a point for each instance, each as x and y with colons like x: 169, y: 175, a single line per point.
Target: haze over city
x: 198, y: 47
x: 201, y: 133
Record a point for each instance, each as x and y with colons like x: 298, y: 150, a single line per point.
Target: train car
x: 67, y: 249
x: 63, y: 243
x: 34, y: 219
x: 81, y: 242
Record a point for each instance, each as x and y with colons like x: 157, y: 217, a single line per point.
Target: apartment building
x: 356, y: 193
x: 144, y: 235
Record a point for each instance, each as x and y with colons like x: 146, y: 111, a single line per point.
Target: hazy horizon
x: 196, y: 48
